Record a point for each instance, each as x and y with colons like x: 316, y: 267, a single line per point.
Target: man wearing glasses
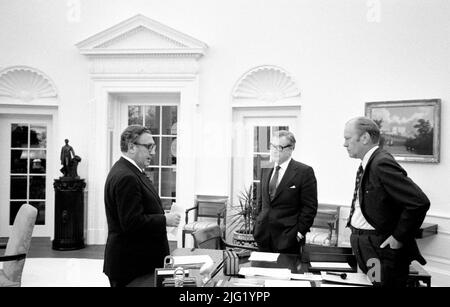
x: 287, y: 202
x: 137, y: 238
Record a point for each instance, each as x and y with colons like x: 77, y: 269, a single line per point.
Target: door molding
x: 139, y: 55
x: 49, y: 115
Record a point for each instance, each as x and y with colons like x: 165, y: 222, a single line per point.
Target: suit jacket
x: 391, y: 202
x: 137, y: 238
x: 292, y: 210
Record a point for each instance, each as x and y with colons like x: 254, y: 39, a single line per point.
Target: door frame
x: 50, y: 114
x: 105, y: 120
x: 239, y: 157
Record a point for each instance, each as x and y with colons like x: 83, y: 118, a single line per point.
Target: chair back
x: 208, y: 238
x: 211, y: 206
x: 19, y: 241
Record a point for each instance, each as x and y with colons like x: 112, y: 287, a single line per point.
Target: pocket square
x: 293, y: 187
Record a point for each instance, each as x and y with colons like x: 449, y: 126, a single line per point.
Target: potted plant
x: 243, y: 217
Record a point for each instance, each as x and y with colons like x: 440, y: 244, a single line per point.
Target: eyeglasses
x: 149, y: 147
x: 279, y: 147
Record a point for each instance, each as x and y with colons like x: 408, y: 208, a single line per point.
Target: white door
x: 253, y: 130
x: 160, y: 115
x: 27, y: 156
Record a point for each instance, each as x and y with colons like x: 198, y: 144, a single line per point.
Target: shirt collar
x: 367, y: 156
x: 285, y: 164
x: 132, y: 162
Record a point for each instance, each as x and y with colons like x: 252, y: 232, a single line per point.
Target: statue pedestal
x: 69, y: 213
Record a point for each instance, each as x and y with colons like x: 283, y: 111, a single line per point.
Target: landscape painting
x: 409, y: 128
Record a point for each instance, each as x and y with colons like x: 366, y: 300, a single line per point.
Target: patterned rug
x: 63, y: 272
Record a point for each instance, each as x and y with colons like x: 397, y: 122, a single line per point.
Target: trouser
x: 386, y: 267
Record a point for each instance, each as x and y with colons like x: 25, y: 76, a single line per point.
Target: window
x: 28, y: 169
x: 162, y: 122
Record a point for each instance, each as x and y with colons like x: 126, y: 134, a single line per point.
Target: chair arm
x: 12, y: 257
x: 187, y: 213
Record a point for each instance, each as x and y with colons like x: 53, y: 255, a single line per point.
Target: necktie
x: 273, y: 183
x: 355, y: 193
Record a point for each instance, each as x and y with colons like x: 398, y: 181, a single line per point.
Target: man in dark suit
x: 137, y: 238
x: 287, y: 200
x: 387, y: 210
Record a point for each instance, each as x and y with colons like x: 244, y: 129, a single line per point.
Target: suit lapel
x: 288, y: 175
x: 266, y: 173
x: 143, y: 179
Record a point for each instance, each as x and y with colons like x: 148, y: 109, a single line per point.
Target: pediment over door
x: 144, y: 36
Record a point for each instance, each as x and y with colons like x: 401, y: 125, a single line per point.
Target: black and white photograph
x: 221, y: 144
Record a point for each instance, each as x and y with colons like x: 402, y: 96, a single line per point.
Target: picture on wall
x: 409, y: 128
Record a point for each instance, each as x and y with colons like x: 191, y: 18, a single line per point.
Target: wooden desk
x: 295, y: 263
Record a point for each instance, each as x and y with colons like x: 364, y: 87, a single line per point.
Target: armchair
x: 324, y: 230
x: 211, y: 238
x: 206, y: 206
x: 17, y: 247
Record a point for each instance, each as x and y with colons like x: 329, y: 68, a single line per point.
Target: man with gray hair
x: 287, y: 200
x: 387, y: 209
x: 137, y: 237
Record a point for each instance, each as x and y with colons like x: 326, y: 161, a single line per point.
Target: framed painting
x: 410, y: 129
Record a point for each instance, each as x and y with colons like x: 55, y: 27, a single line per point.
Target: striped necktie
x: 273, y: 183
x: 355, y: 192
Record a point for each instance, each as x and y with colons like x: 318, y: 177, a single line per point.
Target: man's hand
x: 392, y: 242
x: 172, y: 219
x: 299, y: 236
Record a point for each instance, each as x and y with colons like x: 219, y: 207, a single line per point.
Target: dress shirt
x: 132, y: 162
x: 283, y: 167
x: 358, y: 219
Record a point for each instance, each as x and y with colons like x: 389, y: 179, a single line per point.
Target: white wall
x: 338, y: 57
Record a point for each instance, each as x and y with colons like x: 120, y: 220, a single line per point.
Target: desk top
x: 290, y: 261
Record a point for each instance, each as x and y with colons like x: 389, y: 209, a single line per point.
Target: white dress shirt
x: 358, y: 219
x: 283, y: 167
x: 132, y: 162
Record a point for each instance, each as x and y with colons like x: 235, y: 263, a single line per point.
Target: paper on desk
x: 286, y: 283
x: 266, y: 272
x: 310, y: 277
x: 360, y: 279
x: 260, y: 256
x: 196, y: 259
x: 175, y: 209
x: 331, y: 265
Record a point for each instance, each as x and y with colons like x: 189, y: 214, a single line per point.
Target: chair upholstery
x: 18, y: 246
x: 325, y: 228
x: 211, y: 238
x: 206, y: 206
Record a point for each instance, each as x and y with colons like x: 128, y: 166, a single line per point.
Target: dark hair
x: 289, y: 135
x: 130, y: 136
x: 365, y: 124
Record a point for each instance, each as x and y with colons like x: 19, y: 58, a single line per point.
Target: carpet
x: 63, y: 272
